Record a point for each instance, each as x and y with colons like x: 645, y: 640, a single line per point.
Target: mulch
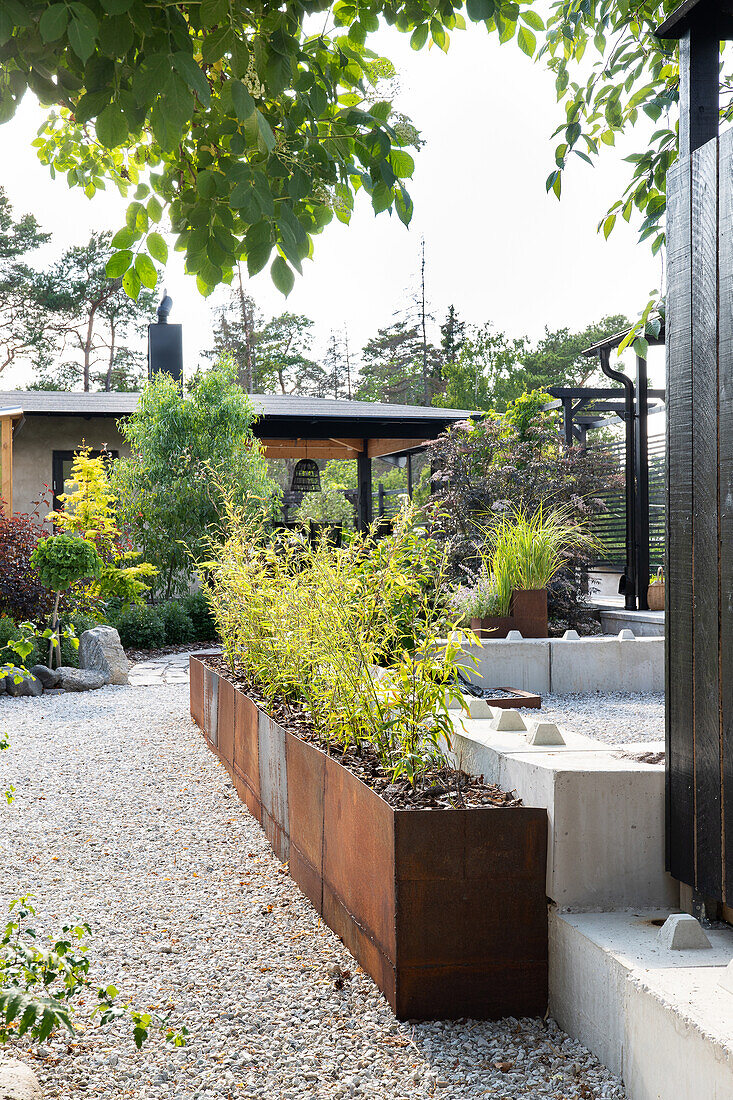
x: 441, y: 788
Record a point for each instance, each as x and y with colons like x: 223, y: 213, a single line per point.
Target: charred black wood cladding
x: 700, y: 520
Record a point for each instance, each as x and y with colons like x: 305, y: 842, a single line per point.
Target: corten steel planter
x: 445, y: 909
x: 529, y: 612
x: 494, y: 627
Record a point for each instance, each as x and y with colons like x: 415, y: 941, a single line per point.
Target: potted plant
x: 526, y: 551
x: 655, y: 592
x: 484, y: 606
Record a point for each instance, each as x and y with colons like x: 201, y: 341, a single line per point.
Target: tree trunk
x: 54, y: 628
x: 110, y: 364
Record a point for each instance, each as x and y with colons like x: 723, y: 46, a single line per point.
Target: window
x: 61, y: 471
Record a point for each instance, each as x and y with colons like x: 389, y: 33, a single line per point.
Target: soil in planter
x: 441, y: 788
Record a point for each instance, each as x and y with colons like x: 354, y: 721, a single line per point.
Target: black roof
x: 718, y: 12
x: 281, y: 416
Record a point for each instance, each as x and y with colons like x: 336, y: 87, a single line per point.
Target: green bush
x: 177, y: 622
x: 62, y: 560
x: 140, y: 627
x: 204, y: 627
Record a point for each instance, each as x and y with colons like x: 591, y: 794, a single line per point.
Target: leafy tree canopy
x: 253, y: 125
x: 190, y: 452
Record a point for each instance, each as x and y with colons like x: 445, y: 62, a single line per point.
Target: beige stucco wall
x: 40, y: 436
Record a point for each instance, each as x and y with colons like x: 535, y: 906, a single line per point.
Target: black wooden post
x: 641, y: 463
x: 364, y: 487
x: 409, y: 476
x: 567, y: 420
x: 699, y: 661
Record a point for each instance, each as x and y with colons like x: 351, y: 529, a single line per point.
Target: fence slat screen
x: 610, y: 527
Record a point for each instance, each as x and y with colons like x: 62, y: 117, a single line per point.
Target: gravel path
x: 617, y: 717
x: 125, y: 819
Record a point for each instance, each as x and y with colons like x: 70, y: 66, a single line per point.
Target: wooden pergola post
x: 8, y: 417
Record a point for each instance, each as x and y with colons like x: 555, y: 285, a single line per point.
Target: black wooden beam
x: 699, y: 88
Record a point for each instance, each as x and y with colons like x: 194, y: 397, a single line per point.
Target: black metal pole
x: 409, y: 476
x: 364, y: 486
x: 642, y: 482
x: 619, y: 376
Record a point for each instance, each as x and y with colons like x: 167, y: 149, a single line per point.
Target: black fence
x: 610, y: 527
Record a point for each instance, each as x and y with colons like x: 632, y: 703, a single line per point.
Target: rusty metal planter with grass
x: 445, y: 909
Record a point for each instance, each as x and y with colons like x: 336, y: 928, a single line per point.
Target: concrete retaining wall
x: 605, y: 813
x: 569, y: 666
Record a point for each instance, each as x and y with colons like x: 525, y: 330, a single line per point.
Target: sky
x: 497, y: 246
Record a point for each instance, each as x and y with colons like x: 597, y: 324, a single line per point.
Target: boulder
x: 100, y: 649
x: 29, y: 685
x: 81, y: 679
x: 18, y: 1081
x: 49, y: 677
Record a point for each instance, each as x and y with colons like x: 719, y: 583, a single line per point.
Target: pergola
x: 586, y: 407
x: 292, y: 427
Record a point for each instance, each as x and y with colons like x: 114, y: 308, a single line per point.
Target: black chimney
x: 165, y: 344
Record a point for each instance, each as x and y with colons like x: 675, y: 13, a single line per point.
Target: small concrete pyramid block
x: 506, y: 719
x: 571, y: 636
x: 514, y: 636
x: 681, y: 932
x: 477, y: 708
x: 626, y: 635
x: 726, y: 978
x: 545, y: 733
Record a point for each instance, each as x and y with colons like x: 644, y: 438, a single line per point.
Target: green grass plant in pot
x: 525, y: 551
x: 61, y: 561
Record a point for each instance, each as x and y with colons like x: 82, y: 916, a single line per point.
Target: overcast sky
x: 497, y: 246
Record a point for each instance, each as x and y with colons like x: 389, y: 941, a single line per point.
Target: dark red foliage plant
x: 22, y: 596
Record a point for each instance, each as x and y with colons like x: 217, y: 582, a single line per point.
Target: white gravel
x: 125, y: 819
x: 617, y: 717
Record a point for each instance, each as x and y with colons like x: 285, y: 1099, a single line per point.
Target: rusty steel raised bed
x: 445, y: 909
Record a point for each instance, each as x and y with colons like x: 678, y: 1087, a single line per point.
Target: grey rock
x: 3, y: 688
x: 28, y: 686
x: 100, y: 649
x: 18, y: 1081
x: 49, y: 677
x: 81, y: 679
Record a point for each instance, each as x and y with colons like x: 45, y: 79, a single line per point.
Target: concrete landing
x: 658, y: 1018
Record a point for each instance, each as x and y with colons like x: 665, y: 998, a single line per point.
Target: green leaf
x: 257, y: 256
x: 265, y: 132
x: 480, y: 10
x: 532, y: 19
x: 401, y: 163
x: 116, y: 7
x: 123, y: 238
x: 194, y: 77
x: 151, y: 77
x: 244, y: 105
x: 111, y: 126
x: 213, y: 12
x: 83, y: 32
x: 608, y: 225
x: 131, y: 283
x: 145, y: 268
x: 157, y: 248
x: 206, y: 184
x: 282, y: 276
x: 53, y: 22
x: 217, y: 44
x: 419, y: 36
x: 526, y: 41
x: 155, y: 210
x: 118, y: 263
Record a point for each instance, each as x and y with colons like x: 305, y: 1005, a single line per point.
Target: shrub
x: 22, y: 592
x: 62, y: 560
x: 140, y: 627
x: 308, y: 624
x: 177, y: 623
x: 202, y: 618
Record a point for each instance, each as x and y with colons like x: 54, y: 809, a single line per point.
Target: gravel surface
x: 125, y: 819
x: 615, y: 717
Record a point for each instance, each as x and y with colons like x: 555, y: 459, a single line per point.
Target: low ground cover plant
x: 314, y: 625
